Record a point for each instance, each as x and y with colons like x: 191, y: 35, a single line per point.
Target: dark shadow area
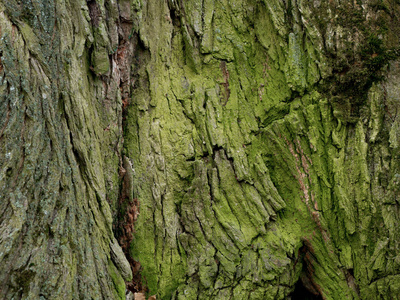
x: 305, y: 287
x: 302, y: 293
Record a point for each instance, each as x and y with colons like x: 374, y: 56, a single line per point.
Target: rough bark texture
x: 60, y: 142
x: 243, y: 149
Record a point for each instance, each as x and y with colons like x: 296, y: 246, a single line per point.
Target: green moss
x: 65, y: 148
x: 295, y: 70
x: 117, y: 279
x: 259, y: 151
x: 100, y: 61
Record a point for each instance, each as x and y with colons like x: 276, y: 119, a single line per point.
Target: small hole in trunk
x: 302, y: 293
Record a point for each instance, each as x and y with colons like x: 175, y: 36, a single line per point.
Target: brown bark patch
x: 94, y: 12
x: 226, y: 92
x: 126, y: 230
x: 306, y: 279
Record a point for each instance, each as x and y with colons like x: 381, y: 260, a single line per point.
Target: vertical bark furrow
x: 275, y: 102
x: 237, y: 149
x: 56, y: 225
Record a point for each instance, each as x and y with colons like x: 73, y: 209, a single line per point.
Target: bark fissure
x: 199, y: 149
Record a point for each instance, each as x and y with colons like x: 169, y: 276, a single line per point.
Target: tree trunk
x: 240, y: 149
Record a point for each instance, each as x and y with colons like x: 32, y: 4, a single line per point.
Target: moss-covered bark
x: 252, y: 144
x: 60, y: 139
x: 263, y: 147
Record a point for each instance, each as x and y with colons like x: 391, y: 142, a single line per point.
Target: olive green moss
x: 118, y: 281
x: 261, y: 150
x: 59, y: 144
x: 263, y: 135
x: 367, y: 47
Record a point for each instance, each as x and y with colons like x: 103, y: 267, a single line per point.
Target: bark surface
x: 234, y: 149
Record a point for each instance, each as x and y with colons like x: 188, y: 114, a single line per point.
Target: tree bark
x: 234, y: 149
x: 61, y: 138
